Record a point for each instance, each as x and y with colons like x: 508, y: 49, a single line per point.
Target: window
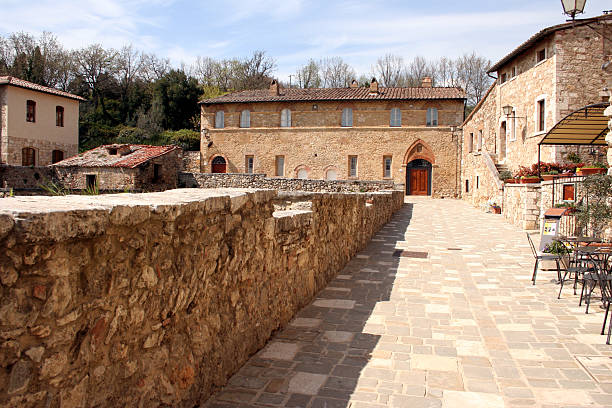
x: 286, y: 118
x: 91, y: 181
x: 219, y: 120
x: 513, y: 72
x: 503, y: 77
x: 245, y: 119
x: 541, y: 55
x: 353, y: 166
x: 57, y: 156
x: 31, y: 111
x: 432, y: 116
x: 396, y: 117
x: 331, y: 174
x: 541, y: 115
x: 28, y: 156
x: 477, y: 182
x: 471, y: 143
x: 467, y: 186
x: 280, y: 166
x: 59, y: 116
x: 347, y: 117
x: 248, y: 164
x: 513, y: 124
x: 387, y: 166
x: 479, y: 140
x: 156, y: 172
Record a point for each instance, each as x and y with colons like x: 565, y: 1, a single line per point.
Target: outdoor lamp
x: 453, y: 128
x: 507, y: 110
x: 573, y: 7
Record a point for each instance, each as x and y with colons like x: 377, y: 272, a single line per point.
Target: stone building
x: 354, y: 133
x: 553, y: 73
x: 122, y: 167
x: 38, y: 125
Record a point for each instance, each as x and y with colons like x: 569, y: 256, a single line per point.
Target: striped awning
x: 586, y: 126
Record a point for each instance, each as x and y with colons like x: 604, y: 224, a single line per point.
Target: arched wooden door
x: 219, y: 165
x: 418, y: 177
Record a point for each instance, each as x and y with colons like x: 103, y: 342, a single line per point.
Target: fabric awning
x: 586, y: 126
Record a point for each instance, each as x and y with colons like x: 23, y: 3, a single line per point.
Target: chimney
x: 426, y: 83
x: 354, y: 84
x: 374, y: 86
x: 274, y: 89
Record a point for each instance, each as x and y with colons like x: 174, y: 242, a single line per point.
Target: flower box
x: 510, y: 181
x: 587, y: 171
x: 548, y: 177
x: 531, y: 180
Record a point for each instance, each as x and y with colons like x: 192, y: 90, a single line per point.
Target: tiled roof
x: 339, y: 94
x: 128, y: 155
x: 548, y: 30
x: 9, y: 80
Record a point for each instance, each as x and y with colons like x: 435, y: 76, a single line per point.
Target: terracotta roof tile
x: 9, y: 80
x: 339, y: 94
x: 128, y: 155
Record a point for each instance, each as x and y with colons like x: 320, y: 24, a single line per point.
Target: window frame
x: 31, y: 111
x: 353, y: 171
x: 54, y: 155
x: 249, y: 164
x: 220, y: 120
x: 245, y: 119
x: 279, y: 159
x: 285, y: 118
x: 59, y: 116
x: 347, y: 117
x: 387, y: 172
x: 432, y: 117
x: 395, y: 119
x: 545, y: 52
x: 540, y: 115
x: 471, y: 142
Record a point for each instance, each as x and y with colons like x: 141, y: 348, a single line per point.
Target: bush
x: 133, y: 135
x: 185, y: 138
x: 506, y: 174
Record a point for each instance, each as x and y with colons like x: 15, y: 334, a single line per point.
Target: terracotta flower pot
x: 587, y: 171
x: 548, y: 177
x: 530, y: 180
x: 510, y: 181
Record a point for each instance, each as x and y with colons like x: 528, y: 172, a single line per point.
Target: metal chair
x: 542, y: 257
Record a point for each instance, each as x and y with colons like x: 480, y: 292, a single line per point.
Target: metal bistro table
x: 596, y: 264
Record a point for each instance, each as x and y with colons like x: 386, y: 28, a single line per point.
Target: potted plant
x: 569, y: 206
x: 495, y: 209
x: 549, y: 175
x: 530, y: 179
x: 595, y: 208
x: 557, y: 247
x: 595, y: 168
x: 506, y: 176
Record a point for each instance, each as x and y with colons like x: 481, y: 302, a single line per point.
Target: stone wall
x: 521, y: 205
x: 191, y: 161
x: 25, y: 178
x: 156, y: 299
x: 241, y: 180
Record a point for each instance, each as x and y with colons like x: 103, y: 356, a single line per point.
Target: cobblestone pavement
x: 461, y: 327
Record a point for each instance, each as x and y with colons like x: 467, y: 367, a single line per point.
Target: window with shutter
x: 347, y: 117
x: 432, y: 116
x: 396, y: 117
x: 220, y: 120
x: 286, y: 118
x: 245, y: 119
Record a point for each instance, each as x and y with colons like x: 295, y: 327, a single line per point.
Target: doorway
x: 219, y: 165
x: 418, y: 177
x: 502, y: 141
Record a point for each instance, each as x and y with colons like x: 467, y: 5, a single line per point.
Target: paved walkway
x: 462, y: 327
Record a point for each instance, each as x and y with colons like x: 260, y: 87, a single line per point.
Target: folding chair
x: 543, y: 257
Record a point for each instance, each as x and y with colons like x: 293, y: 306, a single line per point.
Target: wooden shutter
x: 220, y: 120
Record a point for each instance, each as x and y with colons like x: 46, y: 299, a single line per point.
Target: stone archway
x: 418, y: 162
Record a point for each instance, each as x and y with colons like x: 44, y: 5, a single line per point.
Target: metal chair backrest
x: 602, y: 267
x: 535, y: 253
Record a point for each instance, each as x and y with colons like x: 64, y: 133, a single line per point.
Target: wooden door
x: 218, y: 167
x: 419, y: 181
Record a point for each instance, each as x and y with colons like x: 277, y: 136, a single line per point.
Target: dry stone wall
x: 522, y: 205
x: 156, y: 299
x: 242, y: 180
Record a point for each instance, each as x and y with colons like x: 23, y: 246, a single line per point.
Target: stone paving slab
x: 462, y: 327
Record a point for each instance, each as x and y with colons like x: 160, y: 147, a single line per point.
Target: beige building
x: 355, y: 133
x: 38, y: 125
x: 553, y: 73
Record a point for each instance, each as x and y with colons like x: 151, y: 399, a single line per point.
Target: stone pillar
x: 608, y: 113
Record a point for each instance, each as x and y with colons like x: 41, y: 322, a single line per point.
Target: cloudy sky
x: 292, y: 31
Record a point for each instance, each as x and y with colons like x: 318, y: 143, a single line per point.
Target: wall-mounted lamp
x: 210, y: 144
x: 573, y: 7
x: 508, y: 110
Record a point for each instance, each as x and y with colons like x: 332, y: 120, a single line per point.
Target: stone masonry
x: 157, y: 299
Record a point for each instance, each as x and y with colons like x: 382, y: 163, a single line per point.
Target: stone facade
x: 43, y: 134
x: 568, y: 78
x: 21, y: 178
x: 156, y: 299
x: 521, y: 205
x: 316, y: 145
x: 191, y: 161
x: 241, y: 180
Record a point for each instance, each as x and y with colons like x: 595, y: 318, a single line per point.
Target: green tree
x: 178, y: 96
